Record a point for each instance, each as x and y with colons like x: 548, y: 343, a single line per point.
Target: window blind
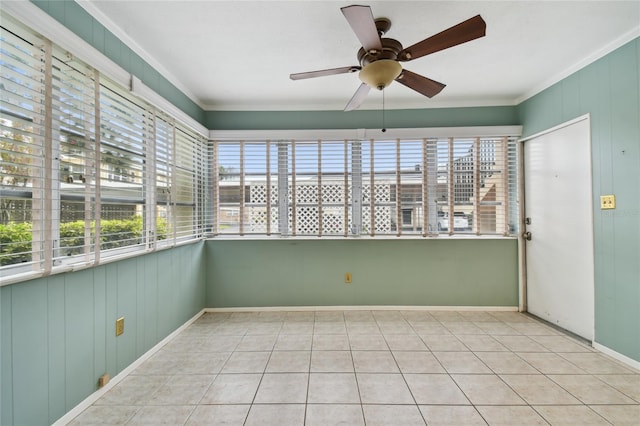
x: 259, y: 188
x: 305, y: 205
x: 230, y: 188
x: 163, y: 179
x: 89, y: 171
x: 334, y: 182
x: 73, y: 124
x: 410, y: 187
x: 123, y: 126
x: 23, y: 223
x: 381, y: 176
x: 188, y: 183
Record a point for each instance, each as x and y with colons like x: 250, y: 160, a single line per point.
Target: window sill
x: 359, y: 238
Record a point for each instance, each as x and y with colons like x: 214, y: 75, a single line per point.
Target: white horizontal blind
x: 210, y: 210
x: 511, y: 174
x: 230, y: 190
x: 430, y: 185
x: 377, y: 187
x: 124, y: 127
x: 305, y: 207
x: 89, y: 171
x: 335, y: 187
x: 22, y: 144
x: 272, y: 188
x: 188, y: 184
x: 163, y: 179
x: 462, y: 164
x: 410, y: 191
x: 380, y: 175
x: 73, y: 124
x: 284, y: 153
x: 259, y: 189
x: 492, y: 187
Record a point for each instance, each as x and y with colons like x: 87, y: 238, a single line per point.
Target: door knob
x: 527, y: 235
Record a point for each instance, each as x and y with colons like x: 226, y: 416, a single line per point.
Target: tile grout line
x: 353, y: 363
x: 570, y: 360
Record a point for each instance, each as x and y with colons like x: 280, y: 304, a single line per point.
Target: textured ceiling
x: 237, y: 55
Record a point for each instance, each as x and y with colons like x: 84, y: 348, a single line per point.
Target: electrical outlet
x: 119, y: 326
x: 347, y: 278
x: 607, y: 202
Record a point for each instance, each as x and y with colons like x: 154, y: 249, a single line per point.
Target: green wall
x: 432, y: 272
x: 58, y: 333
x: 365, y: 119
x: 75, y: 18
x: 609, y: 90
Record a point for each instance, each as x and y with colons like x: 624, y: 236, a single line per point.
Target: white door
x: 558, y: 207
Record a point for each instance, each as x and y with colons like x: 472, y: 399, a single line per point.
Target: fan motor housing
x: 390, y: 50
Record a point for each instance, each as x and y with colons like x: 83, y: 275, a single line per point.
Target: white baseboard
x: 88, y: 401
x: 364, y: 308
x: 618, y: 356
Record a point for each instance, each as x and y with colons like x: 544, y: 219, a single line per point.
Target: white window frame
x: 358, y: 137
x: 45, y: 255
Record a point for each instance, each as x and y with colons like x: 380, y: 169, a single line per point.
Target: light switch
x: 119, y: 326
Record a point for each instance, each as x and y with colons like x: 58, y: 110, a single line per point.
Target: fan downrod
x: 383, y: 25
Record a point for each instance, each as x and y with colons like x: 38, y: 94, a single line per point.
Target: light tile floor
x: 373, y: 368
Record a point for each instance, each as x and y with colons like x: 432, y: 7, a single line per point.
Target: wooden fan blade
x: 468, y: 30
x: 362, y: 23
x: 420, y: 84
x: 322, y: 73
x: 358, y: 97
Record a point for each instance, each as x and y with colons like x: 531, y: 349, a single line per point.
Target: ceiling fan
x: 379, y: 57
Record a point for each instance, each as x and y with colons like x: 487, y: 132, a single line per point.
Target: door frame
x: 522, y: 251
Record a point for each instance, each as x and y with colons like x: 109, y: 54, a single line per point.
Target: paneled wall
x: 310, y: 272
x: 608, y: 90
x: 58, y: 333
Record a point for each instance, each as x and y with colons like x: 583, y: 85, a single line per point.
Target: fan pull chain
x: 383, y: 128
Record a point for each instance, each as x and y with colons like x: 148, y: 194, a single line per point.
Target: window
x: 125, y: 130
x: 22, y: 170
x: 74, y: 175
x: 366, y: 187
x: 189, y: 184
x: 163, y: 178
x: 89, y: 171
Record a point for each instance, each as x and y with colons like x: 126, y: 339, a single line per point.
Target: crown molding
x: 600, y: 53
x: 106, y: 22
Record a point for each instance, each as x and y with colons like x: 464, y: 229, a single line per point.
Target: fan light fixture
x: 381, y: 73
x: 379, y: 57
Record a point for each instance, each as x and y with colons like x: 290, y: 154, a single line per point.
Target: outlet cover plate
x: 607, y: 202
